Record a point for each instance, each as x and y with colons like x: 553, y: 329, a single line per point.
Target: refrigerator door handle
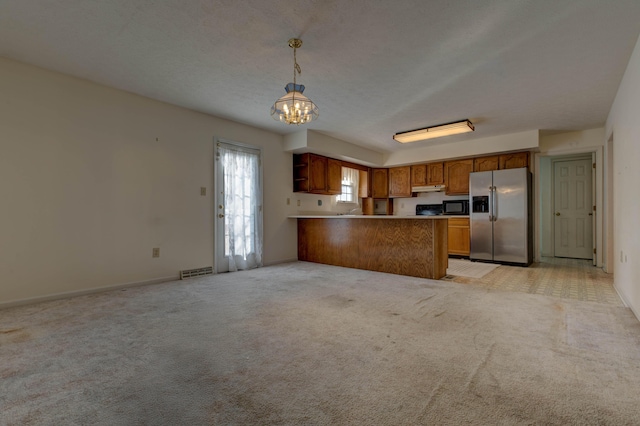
x: 490, y: 204
x: 494, y: 204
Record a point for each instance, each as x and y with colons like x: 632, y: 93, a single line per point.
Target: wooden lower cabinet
x: 413, y: 247
x: 458, y: 236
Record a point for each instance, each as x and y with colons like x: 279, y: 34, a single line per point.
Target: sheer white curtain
x: 242, y: 206
x: 350, y: 178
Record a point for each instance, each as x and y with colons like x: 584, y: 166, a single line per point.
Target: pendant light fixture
x: 294, y: 107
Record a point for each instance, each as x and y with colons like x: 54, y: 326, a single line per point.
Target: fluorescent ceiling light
x: 435, y: 131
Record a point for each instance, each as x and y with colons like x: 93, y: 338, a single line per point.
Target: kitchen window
x: 349, y: 186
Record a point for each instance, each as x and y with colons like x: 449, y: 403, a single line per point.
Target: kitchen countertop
x: 360, y: 216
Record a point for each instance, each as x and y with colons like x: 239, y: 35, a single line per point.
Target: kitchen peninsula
x: 406, y: 245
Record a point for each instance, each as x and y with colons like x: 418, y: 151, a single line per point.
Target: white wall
x: 523, y: 141
x: 623, y: 124
x: 319, y: 143
x: 92, y: 178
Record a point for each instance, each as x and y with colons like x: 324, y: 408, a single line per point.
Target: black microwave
x: 453, y: 207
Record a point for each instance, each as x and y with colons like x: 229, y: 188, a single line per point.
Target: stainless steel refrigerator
x: 500, y: 216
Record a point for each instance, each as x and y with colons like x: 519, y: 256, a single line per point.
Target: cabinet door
x: 457, y: 176
x: 364, y: 188
x: 419, y: 175
x: 515, y: 160
x: 380, y: 183
x: 486, y: 164
x: 334, y: 176
x: 400, y: 181
x: 435, y: 173
x: 458, y: 241
x: 317, y: 174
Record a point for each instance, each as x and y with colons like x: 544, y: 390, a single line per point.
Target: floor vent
x: 190, y: 273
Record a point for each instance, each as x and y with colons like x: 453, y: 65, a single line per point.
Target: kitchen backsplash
x: 309, y: 203
x: 407, y: 206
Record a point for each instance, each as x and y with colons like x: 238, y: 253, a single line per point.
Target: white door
x: 238, y: 212
x: 573, y: 209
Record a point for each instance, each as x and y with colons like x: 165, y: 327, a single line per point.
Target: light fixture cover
x: 435, y: 131
x: 294, y: 107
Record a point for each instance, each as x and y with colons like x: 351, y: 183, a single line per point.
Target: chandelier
x: 294, y: 107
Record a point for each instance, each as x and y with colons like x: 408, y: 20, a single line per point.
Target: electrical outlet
x: 288, y: 201
x: 402, y: 205
x: 298, y: 203
x: 203, y: 191
x: 319, y: 202
x: 155, y: 252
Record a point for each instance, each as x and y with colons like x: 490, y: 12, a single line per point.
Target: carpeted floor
x: 312, y: 344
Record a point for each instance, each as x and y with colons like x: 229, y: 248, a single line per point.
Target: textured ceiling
x: 374, y: 68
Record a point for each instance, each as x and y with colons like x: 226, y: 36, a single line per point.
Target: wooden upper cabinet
x: 435, y: 173
x: 334, y: 176
x: 380, y: 183
x: 400, y: 181
x: 419, y: 175
x: 364, y: 187
x: 317, y: 174
x: 486, y: 164
x: 457, y: 176
x: 515, y: 160
x: 300, y: 172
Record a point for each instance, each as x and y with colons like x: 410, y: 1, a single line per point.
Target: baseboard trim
x: 626, y: 303
x: 278, y: 262
x: 69, y: 294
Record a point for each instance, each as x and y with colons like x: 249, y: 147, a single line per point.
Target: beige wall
x: 623, y: 126
x: 92, y: 178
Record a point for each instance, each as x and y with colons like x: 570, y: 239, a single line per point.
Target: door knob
x: 220, y: 215
x: 557, y: 213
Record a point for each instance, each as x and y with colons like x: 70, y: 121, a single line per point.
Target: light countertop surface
x: 359, y: 216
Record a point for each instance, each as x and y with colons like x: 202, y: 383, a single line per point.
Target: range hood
x: 428, y: 188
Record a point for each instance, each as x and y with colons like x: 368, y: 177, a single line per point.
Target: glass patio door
x: 238, y: 209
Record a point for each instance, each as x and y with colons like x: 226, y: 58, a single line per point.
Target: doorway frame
x: 577, y: 157
x: 598, y: 152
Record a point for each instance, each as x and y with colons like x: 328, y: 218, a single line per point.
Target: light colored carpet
x: 312, y: 344
x: 466, y: 268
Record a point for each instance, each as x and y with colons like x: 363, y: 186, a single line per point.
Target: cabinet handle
x: 220, y: 215
x: 557, y: 213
